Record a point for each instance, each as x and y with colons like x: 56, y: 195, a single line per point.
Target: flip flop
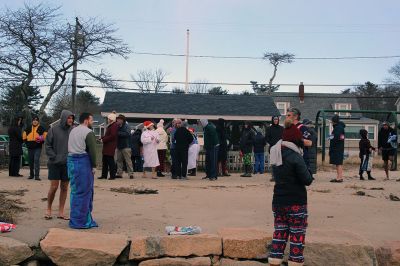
x: 48, y: 217
x: 63, y: 218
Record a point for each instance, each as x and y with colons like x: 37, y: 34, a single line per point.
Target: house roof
x: 190, y: 106
x: 313, y: 102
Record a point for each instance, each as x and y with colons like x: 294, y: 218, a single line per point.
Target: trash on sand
x: 377, y: 188
x: 6, y: 227
x: 360, y: 193
x: 184, y: 230
x: 129, y: 190
x: 394, y: 197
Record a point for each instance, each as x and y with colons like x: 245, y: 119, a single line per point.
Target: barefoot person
x: 150, y: 140
x: 289, y: 201
x: 81, y: 167
x: 56, y: 145
x: 387, y: 143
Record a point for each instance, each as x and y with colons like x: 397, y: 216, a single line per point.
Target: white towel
x: 275, y: 154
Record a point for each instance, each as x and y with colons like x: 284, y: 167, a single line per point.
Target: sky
x: 305, y: 28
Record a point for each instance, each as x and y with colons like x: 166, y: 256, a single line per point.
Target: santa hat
x: 148, y: 124
x: 291, y: 132
x: 161, y: 123
x: 112, y: 117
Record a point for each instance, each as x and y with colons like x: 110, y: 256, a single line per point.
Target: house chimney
x: 301, y: 92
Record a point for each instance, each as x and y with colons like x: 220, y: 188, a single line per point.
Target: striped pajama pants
x: 290, y: 222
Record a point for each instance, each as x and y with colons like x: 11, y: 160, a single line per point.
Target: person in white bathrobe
x: 194, y: 149
x: 150, y: 140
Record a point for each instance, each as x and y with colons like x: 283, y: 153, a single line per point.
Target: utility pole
x: 75, y: 66
x: 187, y: 62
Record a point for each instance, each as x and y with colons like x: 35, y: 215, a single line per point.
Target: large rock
x: 13, y: 251
x: 65, y: 247
x: 200, y: 261
x: 175, y: 246
x: 389, y: 254
x: 245, y: 243
x: 229, y: 262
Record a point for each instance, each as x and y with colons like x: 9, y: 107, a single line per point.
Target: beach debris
x: 322, y: 190
x: 393, y: 197
x: 182, y: 230
x: 377, y: 188
x: 19, y: 192
x: 130, y: 190
x: 10, y: 208
x: 354, y: 186
x: 360, y: 193
x: 329, y: 216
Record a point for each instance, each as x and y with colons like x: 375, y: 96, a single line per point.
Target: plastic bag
x: 184, y: 230
x: 6, y: 227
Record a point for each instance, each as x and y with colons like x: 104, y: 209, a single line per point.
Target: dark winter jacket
x: 274, y: 134
x: 336, y: 148
x: 183, y: 138
x: 124, y: 135
x: 247, y: 140
x: 290, y: 180
x: 56, y: 143
x: 136, y: 144
x: 210, y: 136
x: 365, y: 147
x: 110, y: 139
x: 259, y: 143
x: 223, y: 141
x: 383, y: 137
x: 15, y: 145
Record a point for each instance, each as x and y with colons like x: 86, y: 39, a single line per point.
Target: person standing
x: 246, y: 147
x: 183, y: 138
x: 312, y: 150
x: 172, y: 130
x: 123, y: 148
x: 15, y: 147
x: 150, y: 142
x: 365, y: 155
x: 289, y: 202
x: 273, y: 135
x: 259, y: 152
x: 336, y: 148
x: 161, y: 148
x: 211, y: 145
x: 223, y: 148
x: 194, y: 149
x: 34, y: 137
x: 109, y: 141
x: 387, y: 145
x: 137, y: 149
x: 56, y: 146
x: 81, y: 164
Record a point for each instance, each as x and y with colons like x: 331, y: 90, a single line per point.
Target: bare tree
x: 275, y: 59
x: 36, y: 45
x: 150, y: 81
x: 199, y: 86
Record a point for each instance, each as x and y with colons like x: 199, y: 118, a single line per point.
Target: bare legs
x: 54, y: 184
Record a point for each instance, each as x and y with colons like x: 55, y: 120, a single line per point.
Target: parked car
x: 4, y: 141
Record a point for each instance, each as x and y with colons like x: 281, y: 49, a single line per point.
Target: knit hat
x: 291, y: 132
x: 112, y: 117
x: 148, y: 124
x: 161, y: 123
x: 335, y: 119
x: 295, y: 111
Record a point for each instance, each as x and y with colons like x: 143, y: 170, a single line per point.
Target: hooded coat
x: 136, y: 144
x: 247, y: 140
x: 336, y: 147
x: 15, y: 145
x: 274, y: 133
x: 163, y: 137
x: 56, y: 143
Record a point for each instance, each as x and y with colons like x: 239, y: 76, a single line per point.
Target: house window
x: 352, y: 132
x: 282, y: 107
x: 343, y: 106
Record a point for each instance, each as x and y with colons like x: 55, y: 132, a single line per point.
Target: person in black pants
x: 136, y: 147
x: 15, y: 147
x: 183, y: 138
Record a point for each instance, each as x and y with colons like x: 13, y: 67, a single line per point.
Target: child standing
x: 365, y: 155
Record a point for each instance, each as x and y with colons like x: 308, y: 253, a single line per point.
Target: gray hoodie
x: 56, y: 143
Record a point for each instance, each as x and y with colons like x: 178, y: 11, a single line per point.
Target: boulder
x: 388, y: 254
x: 175, y: 246
x: 245, y: 243
x: 200, y: 261
x: 230, y: 262
x: 13, y: 251
x: 66, y: 247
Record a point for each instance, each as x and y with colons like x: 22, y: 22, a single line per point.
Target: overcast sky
x: 306, y: 28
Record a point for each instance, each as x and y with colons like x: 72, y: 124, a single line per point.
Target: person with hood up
x: 365, y: 155
x: 56, y: 146
x: 15, y: 147
x: 123, y: 148
x: 223, y: 148
x: 137, y: 149
x: 211, y: 145
x: 183, y: 138
x: 194, y: 149
x: 150, y: 140
x: 273, y: 135
x: 387, y: 145
x: 246, y: 147
x: 109, y: 141
x: 259, y: 152
x: 312, y: 150
x: 336, y: 148
x: 34, y: 137
x: 161, y: 148
x: 289, y: 202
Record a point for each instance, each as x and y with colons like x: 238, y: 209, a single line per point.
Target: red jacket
x: 110, y: 139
